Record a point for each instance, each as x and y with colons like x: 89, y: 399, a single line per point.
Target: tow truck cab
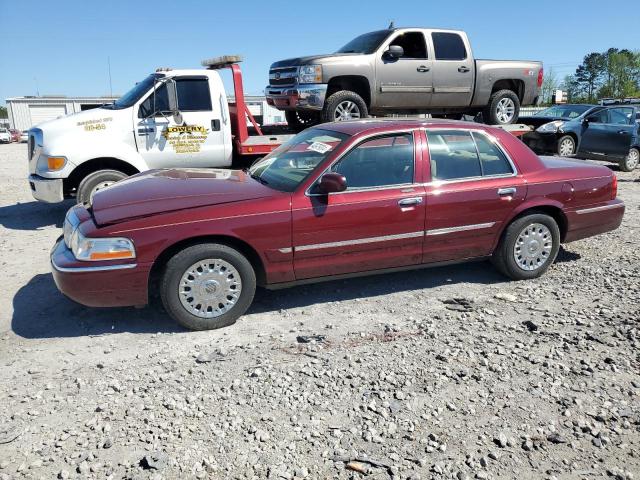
x: 172, y: 118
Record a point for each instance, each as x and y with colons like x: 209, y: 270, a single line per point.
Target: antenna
x: 391, y: 25
x: 109, y: 66
x: 35, y: 79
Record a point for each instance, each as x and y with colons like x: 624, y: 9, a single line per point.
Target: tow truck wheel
x: 207, y: 286
x: 503, y: 108
x: 96, y: 181
x: 298, y: 121
x: 344, y: 105
x: 631, y: 161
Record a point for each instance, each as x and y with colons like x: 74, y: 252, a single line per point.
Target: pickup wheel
x: 503, y: 108
x: 96, y: 181
x: 344, y: 105
x: 631, y: 161
x: 298, y: 121
x: 528, y: 247
x: 207, y: 286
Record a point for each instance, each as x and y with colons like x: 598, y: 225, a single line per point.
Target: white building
x: 25, y: 112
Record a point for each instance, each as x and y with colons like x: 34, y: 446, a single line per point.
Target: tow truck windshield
x: 291, y: 163
x: 133, y: 95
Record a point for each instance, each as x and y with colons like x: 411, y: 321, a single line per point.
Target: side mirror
x: 394, y: 51
x: 172, y: 97
x: 332, y: 183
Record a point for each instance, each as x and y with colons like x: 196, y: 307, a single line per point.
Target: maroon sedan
x: 343, y: 199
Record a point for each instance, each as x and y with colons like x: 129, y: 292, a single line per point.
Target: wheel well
x: 72, y: 182
x: 243, y: 247
x: 516, y: 86
x: 354, y: 83
x: 553, y: 212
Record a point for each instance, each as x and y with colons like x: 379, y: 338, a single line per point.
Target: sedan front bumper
x: 46, y: 189
x: 106, y: 284
x: 541, y: 143
x: 298, y: 97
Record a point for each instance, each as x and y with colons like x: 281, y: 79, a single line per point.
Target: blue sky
x: 61, y: 47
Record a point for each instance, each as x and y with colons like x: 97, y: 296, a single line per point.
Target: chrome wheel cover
x: 209, y: 288
x: 346, y: 110
x: 506, y: 110
x: 566, y: 147
x: 633, y: 159
x: 533, y: 247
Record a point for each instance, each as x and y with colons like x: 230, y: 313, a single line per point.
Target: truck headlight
x: 310, y: 74
x: 551, y: 127
x: 97, y: 249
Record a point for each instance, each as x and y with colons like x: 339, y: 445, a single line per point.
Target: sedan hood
x: 294, y: 62
x: 159, y: 191
x: 537, y: 121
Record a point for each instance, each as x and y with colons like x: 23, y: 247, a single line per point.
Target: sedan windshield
x: 367, y: 43
x: 290, y: 164
x: 567, y: 112
x: 135, y: 94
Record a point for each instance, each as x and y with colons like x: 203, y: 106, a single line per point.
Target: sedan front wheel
x: 566, y: 146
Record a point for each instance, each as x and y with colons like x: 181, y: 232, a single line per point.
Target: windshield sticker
x: 319, y: 147
x: 186, y: 138
x: 95, y: 125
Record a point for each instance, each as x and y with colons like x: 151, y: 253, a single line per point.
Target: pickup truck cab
x: 340, y: 199
x: 172, y: 118
x: 402, y: 70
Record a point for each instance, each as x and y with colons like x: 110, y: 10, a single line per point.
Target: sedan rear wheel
x: 207, y: 286
x: 528, y: 247
x: 566, y: 146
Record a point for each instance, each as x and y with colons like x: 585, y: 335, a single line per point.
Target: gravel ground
x: 443, y: 373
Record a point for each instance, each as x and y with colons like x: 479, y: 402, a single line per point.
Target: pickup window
x: 458, y: 154
x: 412, y: 43
x: 448, y: 46
x: 378, y: 162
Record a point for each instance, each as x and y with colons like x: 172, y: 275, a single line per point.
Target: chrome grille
x: 283, y: 76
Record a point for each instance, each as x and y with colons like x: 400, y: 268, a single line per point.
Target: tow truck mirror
x: 332, y: 183
x: 172, y: 97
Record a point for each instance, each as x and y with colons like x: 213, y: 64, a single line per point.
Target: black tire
x: 298, y: 121
x: 332, y: 103
x: 490, y: 113
x: 178, y: 265
x: 92, y: 182
x: 504, y: 256
x: 631, y: 161
x: 562, y: 147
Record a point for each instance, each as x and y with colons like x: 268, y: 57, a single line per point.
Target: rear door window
x: 621, y: 116
x: 461, y: 154
x: 448, y: 46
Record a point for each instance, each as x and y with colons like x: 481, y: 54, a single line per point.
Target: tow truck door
x: 198, y: 140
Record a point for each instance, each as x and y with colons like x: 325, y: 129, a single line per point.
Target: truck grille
x: 283, y: 76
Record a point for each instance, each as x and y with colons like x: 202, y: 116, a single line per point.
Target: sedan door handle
x: 423, y: 69
x: 463, y: 69
x: 407, y: 202
x: 622, y: 132
x: 503, y: 192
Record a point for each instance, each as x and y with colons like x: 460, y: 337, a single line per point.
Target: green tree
x: 573, y: 89
x: 3, y: 112
x: 549, y: 85
x: 589, y: 74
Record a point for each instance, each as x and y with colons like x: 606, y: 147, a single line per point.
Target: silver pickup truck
x: 405, y: 71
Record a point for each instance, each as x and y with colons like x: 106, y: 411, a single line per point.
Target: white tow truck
x: 172, y: 118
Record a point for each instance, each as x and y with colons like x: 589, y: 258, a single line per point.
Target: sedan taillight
x: 540, y: 77
x: 614, y: 187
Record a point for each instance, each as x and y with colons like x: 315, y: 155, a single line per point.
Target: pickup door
x: 405, y: 82
x: 377, y: 223
x: 453, y: 70
x: 197, y: 142
x: 608, y: 132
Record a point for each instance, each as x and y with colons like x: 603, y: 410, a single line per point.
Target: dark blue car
x: 609, y: 133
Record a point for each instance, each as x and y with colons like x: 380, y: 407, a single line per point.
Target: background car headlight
x: 96, y: 249
x: 310, y: 74
x: 550, y: 127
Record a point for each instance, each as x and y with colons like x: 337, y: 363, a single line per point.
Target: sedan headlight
x: 310, y: 74
x: 551, y: 127
x: 97, y: 249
